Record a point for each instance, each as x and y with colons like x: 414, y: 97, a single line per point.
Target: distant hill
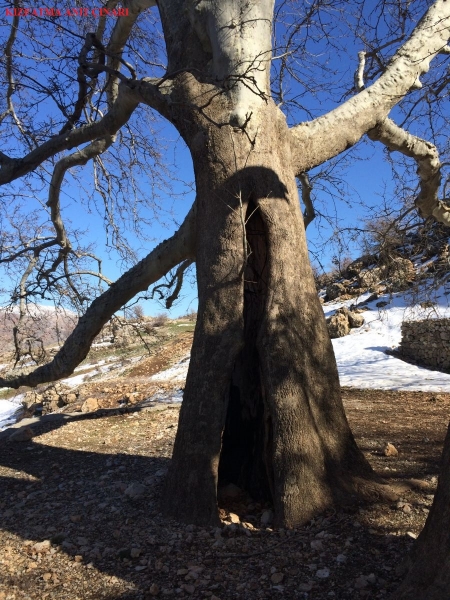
x: 51, y: 325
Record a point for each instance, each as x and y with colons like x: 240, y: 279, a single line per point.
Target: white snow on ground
x: 9, y: 410
x: 361, y: 358
x: 176, y: 374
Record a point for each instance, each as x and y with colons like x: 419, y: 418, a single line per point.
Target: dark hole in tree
x: 245, y: 456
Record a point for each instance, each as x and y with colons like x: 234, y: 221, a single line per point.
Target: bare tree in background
x: 262, y: 405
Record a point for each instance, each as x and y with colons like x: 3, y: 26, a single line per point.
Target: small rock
x: 135, y: 491
x: 42, y: 546
x: 316, y: 545
x: 135, y: 552
x: 154, y: 589
x: 390, y: 450
x: 411, y: 535
x: 267, y: 517
x: 75, y: 518
x: 90, y: 405
x: 305, y: 587
x: 361, y: 582
x: 230, y: 491
x: 372, y: 578
x: 46, y: 576
x: 341, y: 558
x: 407, y: 509
x: 22, y: 435
x: 323, y: 573
x: 277, y: 578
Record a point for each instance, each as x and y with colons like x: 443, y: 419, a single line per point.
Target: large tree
x: 262, y: 405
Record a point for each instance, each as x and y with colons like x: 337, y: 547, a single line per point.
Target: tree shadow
x: 82, y: 502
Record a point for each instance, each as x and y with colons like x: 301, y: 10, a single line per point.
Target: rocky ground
x: 80, y: 513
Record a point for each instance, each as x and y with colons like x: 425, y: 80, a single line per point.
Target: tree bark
x: 262, y: 405
x: 429, y: 574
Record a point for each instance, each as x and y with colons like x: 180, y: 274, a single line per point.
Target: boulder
x: 90, y: 405
x: 338, y: 324
x: 334, y: 290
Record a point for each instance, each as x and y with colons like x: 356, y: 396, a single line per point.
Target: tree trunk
x: 429, y: 574
x: 262, y: 405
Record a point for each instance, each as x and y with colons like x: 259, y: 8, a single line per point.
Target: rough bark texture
x: 429, y: 574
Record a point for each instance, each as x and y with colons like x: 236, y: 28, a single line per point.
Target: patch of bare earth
x: 79, y: 508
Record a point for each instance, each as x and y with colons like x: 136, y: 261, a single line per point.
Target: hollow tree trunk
x: 429, y: 574
x: 263, y: 377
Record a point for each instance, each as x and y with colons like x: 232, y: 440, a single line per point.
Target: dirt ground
x: 80, y: 517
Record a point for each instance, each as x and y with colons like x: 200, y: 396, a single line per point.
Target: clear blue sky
x: 367, y: 177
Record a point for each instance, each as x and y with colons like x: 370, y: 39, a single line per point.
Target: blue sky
x: 367, y: 175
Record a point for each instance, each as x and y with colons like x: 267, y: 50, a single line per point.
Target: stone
x: 154, y: 589
x: 135, y: 491
x: 230, y: 491
x: 355, y: 319
x: 277, y: 578
x: 361, y: 582
x: 341, y: 558
x: 267, y: 517
x: 323, y: 573
x: 316, y: 545
x: 305, y: 587
x: 390, y: 450
x: 370, y: 277
x: 90, y: 405
x: 22, y: 435
x: 338, y: 325
x: 42, y: 546
x: 334, y: 290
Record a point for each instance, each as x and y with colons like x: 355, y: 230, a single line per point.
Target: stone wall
x: 427, y: 342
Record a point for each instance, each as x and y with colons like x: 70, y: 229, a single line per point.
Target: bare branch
x: 317, y: 141
x: 429, y: 166
x: 359, y: 75
x: 178, y: 248
x: 131, y: 92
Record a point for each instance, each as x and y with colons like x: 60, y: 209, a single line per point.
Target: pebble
x: 305, y: 587
x: 277, y: 578
x: 154, y: 589
x: 390, y: 450
x: 323, y: 573
x: 42, y: 546
x: 135, y: 491
x: 267, y: 517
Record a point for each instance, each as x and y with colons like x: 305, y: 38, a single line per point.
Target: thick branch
x: 165, y: 256
x: 119, y: 38
x: 317, y: 141
x: 429, y: 166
